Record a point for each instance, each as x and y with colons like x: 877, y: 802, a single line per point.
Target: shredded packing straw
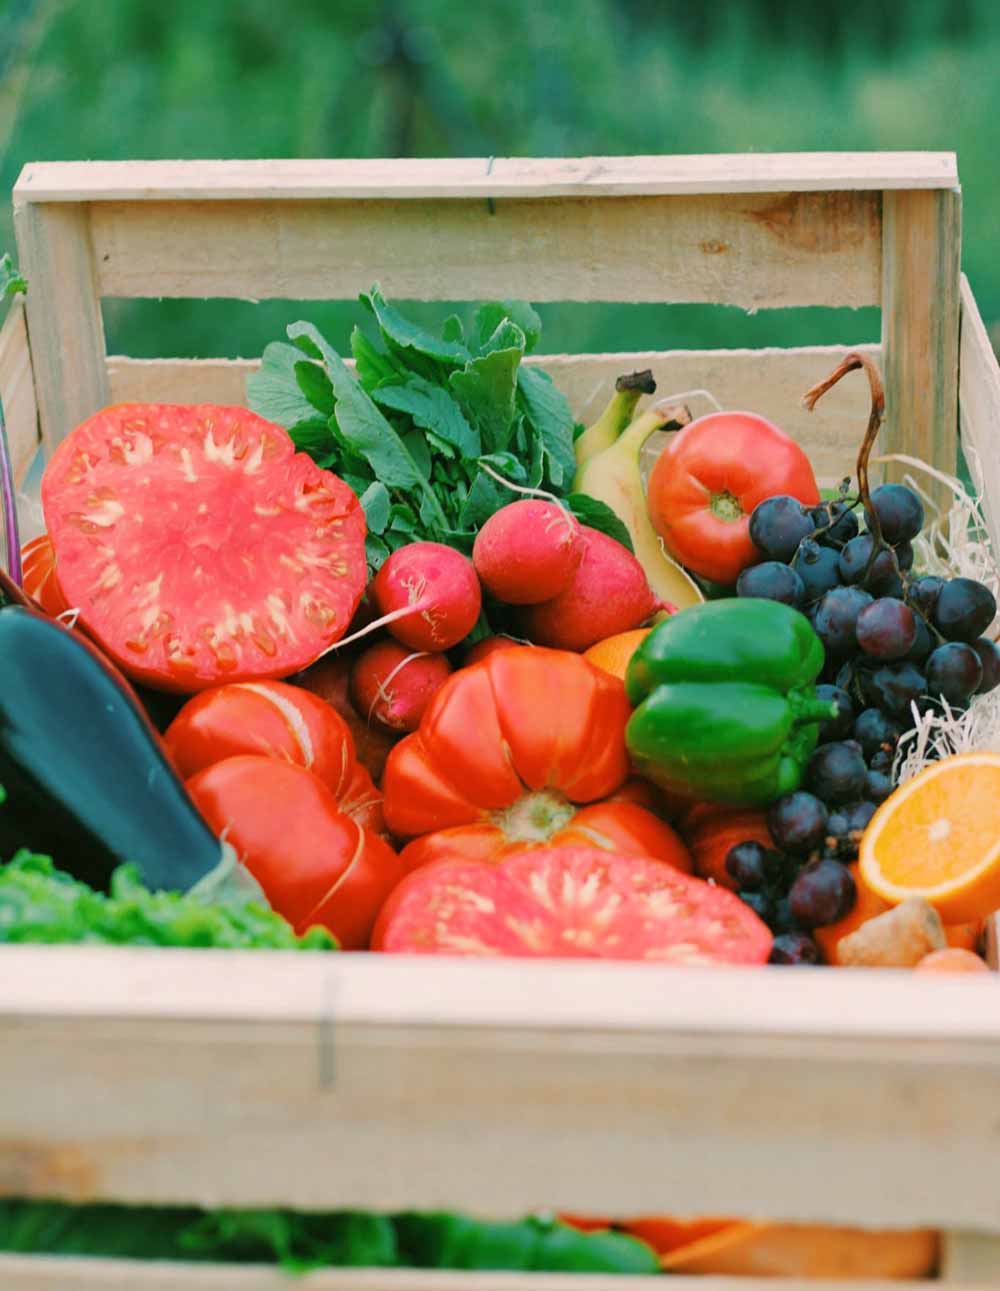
x: 954, y: 544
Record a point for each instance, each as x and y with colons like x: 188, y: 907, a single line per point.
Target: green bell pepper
x: 726, y: 708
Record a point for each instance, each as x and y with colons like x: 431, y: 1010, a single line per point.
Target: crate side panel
x: 979, y: 407
x: 770, y: 381
x: 65, y: 327
x: 752, y: 250
x: 17, y: 391
x: 495, y: 1088
x: 484, y: 176
x: 42, y: 1273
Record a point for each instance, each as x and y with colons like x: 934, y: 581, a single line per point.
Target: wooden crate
x: 858, y: 1098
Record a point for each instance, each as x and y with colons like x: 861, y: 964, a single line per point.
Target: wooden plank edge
x: 550, y: 997
x: 17, y: 391
x: 482, y: 177
x: 69, y: 1273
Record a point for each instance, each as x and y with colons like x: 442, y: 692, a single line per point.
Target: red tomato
x: 547, y: 819
x: 38, y: 575
x: 199, y: 546
x: 315, y: 863
x: 710, y: 830
x: 522, y: 721
x: 483, y: 649
x: 710, y: 477
x: 273, y: 719
x: 570, y: 902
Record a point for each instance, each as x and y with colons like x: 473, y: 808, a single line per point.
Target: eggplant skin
x: 85, y: 775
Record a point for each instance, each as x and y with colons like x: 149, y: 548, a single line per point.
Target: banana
x: 615, y: 417
x: 613, y: 476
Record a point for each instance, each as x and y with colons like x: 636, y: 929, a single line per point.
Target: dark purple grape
x: 954, y: 672
x: 775, y: 866
x: 904, y: 555
x: 758, y: 903
x: 878, y: 786
x: 923, y: 593
x: 836, y: 616
x: 989, y: 657
x: 772, y: 581
x: 818, y: 567
x: 836, y: 826
x: 873, y: 731
x: 923, y: 642
x: 886, y: 629
x: 899, y: 510
x: 778, y: 525
x: 835, y: 773
x: 795, y: 949
x: 882, y: 579
x: 745, y: 862
x: 782, y: 920
x: 882, y: 760
x: 823, y: 893
x: 835, y: 728
x: 964, y: 609
x: 895, y: 686
x: 797, y: 821
x: 837, y: 521
x: 858, y: 814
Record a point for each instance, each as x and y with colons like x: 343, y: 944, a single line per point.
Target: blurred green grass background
x: 208, y: 78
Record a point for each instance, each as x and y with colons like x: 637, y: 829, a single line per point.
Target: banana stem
x: 660, y: 417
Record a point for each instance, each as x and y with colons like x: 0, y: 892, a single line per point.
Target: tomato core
x: 724, y: 506
x: 535, y: 817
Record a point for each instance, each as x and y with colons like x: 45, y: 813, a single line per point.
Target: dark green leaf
x: 11, y: 282
x: 508, y: 336
x: 273, y: 391
x: 491, y: 314
x: 315, y: 385
x: 376, y: 553
x: 407, y: 336
x: 377, y: 506
x: 486, y: 389
x: 402, y: 519
x: 598, y: 515
x: 485, y: 497
x: 374, y: 367
x: 432, y: 408
x: 548, y: 412
x: 416, y: 446
x: 315, y: 438
x: 452, y: 329
x: 364, y: 427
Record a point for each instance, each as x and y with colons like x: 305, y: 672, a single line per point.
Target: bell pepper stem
x: 814, y: 710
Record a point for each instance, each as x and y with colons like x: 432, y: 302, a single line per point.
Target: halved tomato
x: 199, y: 546
x: 38, y: 575
x: 570, y: 902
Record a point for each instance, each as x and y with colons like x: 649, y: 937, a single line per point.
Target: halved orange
x: 938, y: 837
x: 613, y: 653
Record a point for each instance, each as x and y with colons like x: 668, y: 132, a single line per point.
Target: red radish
x: 607, y: 594
x: 394, y: 685
x: 526, y: 552
x: 440, y: 588
x: 329, y: 678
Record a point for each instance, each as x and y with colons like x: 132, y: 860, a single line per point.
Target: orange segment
x: 938, y: 837
x: 613, y: 653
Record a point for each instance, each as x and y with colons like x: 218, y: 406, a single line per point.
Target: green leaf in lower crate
x: 486, y: 389
x: 548, y: 411
x: 273, y: 391
x: 432, y: 408
x: 492, y: 313
x: 409, y: 336
x: 377, y: 505
x: 598, y: 515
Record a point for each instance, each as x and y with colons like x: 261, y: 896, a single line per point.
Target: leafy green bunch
x: 432, y: 426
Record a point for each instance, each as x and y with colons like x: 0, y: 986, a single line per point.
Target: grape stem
x: 850, y: 363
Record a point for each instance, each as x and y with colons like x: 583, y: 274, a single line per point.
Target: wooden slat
x: 768, y: 381
x: 64, y: 316
x: 499, y: 1088
x: 970, y: 1257
x: 979, y: 406
x: 485, y: 177
x: 17, y: 390
x: 757, y: 250
x: 41, y: 1273
x: 921, y: 241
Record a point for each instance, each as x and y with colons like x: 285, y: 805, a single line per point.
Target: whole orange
x: 613, y: 653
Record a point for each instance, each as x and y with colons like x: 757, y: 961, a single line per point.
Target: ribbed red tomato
x: 315, y: 863
x: 570, y: 902
x: 38, y: 575
x: 199, y: 546
x: 708, y: 480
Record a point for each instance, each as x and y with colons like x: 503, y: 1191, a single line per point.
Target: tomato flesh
x: 570, y: 903
x: 199, y: 547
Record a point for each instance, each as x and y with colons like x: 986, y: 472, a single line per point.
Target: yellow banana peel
x: 612, y: 475
x: 615, y: 417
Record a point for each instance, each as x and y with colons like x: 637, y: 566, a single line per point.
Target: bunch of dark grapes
x: 803, y: 882
x: 893, y: 640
